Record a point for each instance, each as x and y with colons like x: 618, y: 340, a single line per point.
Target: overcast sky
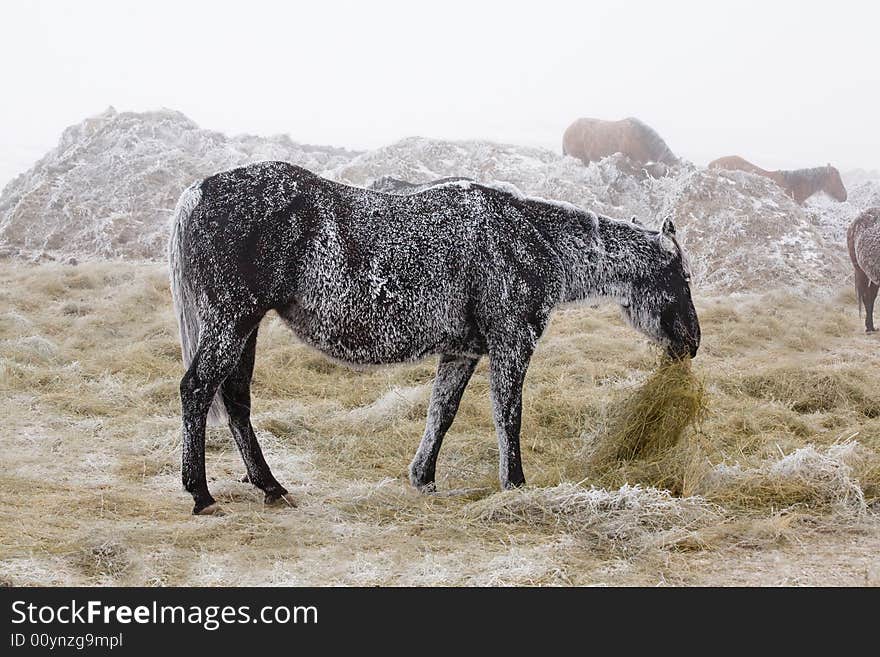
x: 785, y: 84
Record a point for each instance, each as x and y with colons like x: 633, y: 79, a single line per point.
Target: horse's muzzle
x: 683, y: 350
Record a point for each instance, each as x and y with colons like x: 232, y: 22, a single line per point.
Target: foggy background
x: 784, y: 84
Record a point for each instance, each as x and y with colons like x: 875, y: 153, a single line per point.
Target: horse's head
x: 659, y: 303
x: 833, y: 185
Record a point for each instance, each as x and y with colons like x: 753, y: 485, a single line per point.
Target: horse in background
x: 799, y: 184
x: 590, y: 140
x: 863, y: 243
x: 460, y: 270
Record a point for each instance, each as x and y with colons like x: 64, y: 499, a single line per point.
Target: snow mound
x: 110, y: 185
x: 833, y: 218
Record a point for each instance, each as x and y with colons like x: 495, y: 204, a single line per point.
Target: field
x: 777, y: 483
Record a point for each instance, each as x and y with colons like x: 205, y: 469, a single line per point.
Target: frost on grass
x: 629, y: 518
x: 37, y: 571
x: 92, y: 422
x: 398, y: 401
x: 28, y: 349
x: 809, y: 476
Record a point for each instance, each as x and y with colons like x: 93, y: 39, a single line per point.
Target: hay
x: 399, y: 401
x: 91, y: 478
x: 808, y: 390
x: 808, y: 477
x: 654, y: 417
x: 641, y: 439
x: 631, y: 517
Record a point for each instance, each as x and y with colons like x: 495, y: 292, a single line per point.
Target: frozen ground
x: 781, y: 486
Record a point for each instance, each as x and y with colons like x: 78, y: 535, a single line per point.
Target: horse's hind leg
x: 869, y: 297
x: 218, y: 353
x: 453, y: 374
x: 236, y: 392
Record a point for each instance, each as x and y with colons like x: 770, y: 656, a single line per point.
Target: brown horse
x: 799, y: 184
x: 863, y: 242
x: 592, y: 139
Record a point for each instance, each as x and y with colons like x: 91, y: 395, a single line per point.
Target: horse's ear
x: 667, y: 241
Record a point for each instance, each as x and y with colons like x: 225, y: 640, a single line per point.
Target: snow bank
x: 109, y: 186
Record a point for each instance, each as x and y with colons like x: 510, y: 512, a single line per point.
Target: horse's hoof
x: 212, y: 509
x: 513, y: 485
x: 869, y: 331
x: 421, y: 481
x: 245, y: 479
x: 428, y: 488
x: 283, y: 500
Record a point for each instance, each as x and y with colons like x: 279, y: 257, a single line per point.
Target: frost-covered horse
x: 863, y: 243
x: 590, y: 140
x: 461, y: 270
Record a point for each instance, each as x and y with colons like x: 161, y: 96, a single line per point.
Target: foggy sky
x: 785, y: 84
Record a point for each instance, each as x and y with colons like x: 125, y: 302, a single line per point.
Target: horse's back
x: 252, y: 189
x: 591, y: 139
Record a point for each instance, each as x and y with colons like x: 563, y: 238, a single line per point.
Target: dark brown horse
x: 799, y: 184
x: 592, y: 139
x: 863, y: 242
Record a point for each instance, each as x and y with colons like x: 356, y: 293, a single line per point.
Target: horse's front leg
x: 453, y: 374
x: 508, y: 363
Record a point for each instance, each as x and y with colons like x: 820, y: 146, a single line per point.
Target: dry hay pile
x: 809, y: 391
x: 653, y: 482
x: 642, y: 438
x: 808, y: 477
x: 629, y: 518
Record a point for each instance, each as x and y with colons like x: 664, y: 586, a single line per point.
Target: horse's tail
x: 184, y: 296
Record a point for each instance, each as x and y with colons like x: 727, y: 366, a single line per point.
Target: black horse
x: 461, y: 270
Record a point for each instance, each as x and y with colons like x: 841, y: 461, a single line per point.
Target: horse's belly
x: 373, y: 334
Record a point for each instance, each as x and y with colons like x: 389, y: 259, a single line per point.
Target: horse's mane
x: 657, y: 144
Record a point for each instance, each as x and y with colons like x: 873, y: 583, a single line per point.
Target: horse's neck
x: 801, y: 183
x: 779, y: 178
x: 754, y: 168
x: 600, y: 264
